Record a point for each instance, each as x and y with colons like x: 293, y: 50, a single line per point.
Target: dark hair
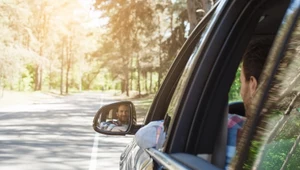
x: 255, y: 57
x: 123, y: 105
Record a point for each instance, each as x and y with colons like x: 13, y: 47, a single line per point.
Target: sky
x: 96, y: 21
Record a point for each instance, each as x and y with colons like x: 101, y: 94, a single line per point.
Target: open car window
x: 187, y: 72
x: 271, y: 137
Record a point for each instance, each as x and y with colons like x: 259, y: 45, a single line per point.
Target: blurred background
x: 71, y: 46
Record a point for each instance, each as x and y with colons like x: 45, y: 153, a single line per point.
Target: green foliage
x: 285, y: 143
x: 45, y: 42
x: 253, y: 152
x: 275, y: 153
x: 234, y: 93
x: 294, y: 161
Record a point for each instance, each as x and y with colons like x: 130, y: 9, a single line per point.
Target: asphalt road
x: 55, y: 133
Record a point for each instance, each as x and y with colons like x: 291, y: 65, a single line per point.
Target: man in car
x: 252, y: 65
x: 153, y: 135
x: 121, y: 123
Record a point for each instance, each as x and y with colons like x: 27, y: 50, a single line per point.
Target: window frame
x: 221, y: 58
x: 175, y: 142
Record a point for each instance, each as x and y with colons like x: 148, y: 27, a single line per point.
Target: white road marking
x: 93, y: 161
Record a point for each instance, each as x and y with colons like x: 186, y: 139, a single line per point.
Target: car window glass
x: 275, y: 144
x: 193, y: 58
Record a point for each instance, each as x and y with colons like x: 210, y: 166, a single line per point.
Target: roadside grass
x: 142, y: 106
x: 142, y: 103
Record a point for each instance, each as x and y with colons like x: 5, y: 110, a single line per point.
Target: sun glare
x: 95, y: 20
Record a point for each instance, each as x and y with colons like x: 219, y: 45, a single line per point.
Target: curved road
x: 55, y: 133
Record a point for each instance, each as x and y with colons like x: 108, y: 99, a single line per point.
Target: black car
x: 193, y: 99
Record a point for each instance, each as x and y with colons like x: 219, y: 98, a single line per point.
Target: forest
x: 72, y: 46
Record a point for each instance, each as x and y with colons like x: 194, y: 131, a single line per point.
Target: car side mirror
x: 115, y: 119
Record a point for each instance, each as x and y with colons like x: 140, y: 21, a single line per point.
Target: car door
x: 198, y: 107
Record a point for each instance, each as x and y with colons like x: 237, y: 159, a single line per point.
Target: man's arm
x: 151, y: 135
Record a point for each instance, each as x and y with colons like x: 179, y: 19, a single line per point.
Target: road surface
x: 53, y: 132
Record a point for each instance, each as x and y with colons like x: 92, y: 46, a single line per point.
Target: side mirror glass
x: 115, y: 119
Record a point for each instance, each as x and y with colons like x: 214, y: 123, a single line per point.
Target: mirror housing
x: 116, y: 119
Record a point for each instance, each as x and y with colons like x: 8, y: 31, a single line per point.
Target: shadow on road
x: 56, y: 134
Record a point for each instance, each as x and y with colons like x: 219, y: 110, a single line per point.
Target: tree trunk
x: 50, y: 76
x: 127, y: 78
x: 36, y: 78
x: 80, y: 81
x: 159, y: 77
x: 41, y: 78
x: 192, y: 17
x: 123, y: 89
x: 131, y: 74
x: 160, y: 63
x: 19, y: 80
x: 127, y: 85
x: 171, y: 15
x: 80, y: 85
x: 67, y: 76
x: 207, y: 5
x: 62, y: 69
x: 138, y: 76
x: 196, y: 9
x: 146, y: 82
x: 43, y: 32
x: 151, y: 73
x: 160, y: 52
x: 69, y: 60
x: 2, y: 85
x: 88, y: 83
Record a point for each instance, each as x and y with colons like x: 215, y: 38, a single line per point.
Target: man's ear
x: 252, y: 85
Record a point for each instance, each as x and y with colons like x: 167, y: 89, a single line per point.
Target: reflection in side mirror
x: 115, y: 119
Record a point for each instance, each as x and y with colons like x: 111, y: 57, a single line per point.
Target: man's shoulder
x: 235, y: 121
x: 121, y: 128
x: 150, y: 135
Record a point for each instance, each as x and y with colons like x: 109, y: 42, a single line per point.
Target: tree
x: 196, y: 10
x: 14, y: 42
x: 128, y: 21
x: 57, y: 44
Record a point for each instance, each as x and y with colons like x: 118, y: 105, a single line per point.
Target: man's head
x: 123, y: 113
x: 252, y: 66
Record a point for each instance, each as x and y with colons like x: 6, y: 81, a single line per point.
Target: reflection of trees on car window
x: 283, y: 145
x: 276, y: 144
x: 184, y: 79
x: 181, y: 84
